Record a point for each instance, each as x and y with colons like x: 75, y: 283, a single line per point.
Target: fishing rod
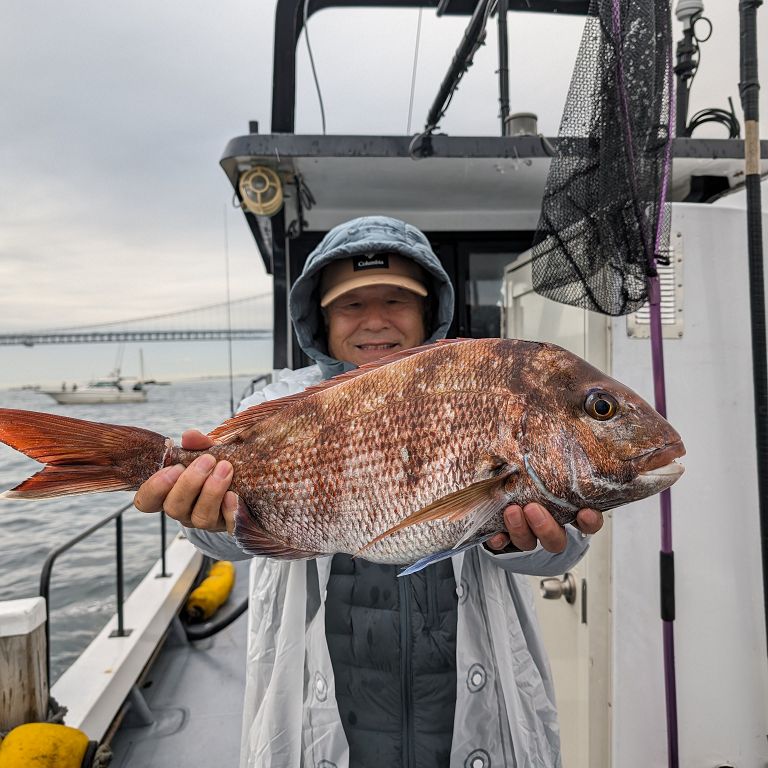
x: 472, y: 40
x: 503, y: 65
x: 653, y: 257
x: 666, y: 553
x: 229, y: 315
x: 749, y: 90
x: 621, y: 93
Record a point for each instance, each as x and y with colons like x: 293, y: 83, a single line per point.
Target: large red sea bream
x: 402, y: 461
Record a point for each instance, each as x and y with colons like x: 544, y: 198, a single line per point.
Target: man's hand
x: 532, y: 524
x: 198, y: 496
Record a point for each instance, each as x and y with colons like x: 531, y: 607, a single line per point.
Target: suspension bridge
x: 247, y: 318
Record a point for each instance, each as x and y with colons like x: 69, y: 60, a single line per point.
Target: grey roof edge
x: 285, y: 145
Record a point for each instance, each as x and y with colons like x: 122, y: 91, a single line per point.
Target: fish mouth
x: 660, y: 462
x: 670, y: 471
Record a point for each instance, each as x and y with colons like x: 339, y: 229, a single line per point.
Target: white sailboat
x: 109, y: 389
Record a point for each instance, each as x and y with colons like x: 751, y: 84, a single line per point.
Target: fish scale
x: 360, y: 469
x: 400, y: 460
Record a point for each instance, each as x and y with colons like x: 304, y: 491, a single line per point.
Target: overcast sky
x: 114, y: 117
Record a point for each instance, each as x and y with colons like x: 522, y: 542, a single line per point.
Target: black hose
x: 210, y: 628
x: 713, y: 115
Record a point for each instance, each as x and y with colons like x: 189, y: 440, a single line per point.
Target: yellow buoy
x: 43, y: 745
x: 212, y: 593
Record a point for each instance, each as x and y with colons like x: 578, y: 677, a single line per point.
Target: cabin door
x: 575, y: 609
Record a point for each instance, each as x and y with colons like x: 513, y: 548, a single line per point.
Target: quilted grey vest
x: 392, y: 644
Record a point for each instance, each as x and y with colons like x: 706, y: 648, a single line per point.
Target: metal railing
x: 259, y: 382
x: 45, y: 576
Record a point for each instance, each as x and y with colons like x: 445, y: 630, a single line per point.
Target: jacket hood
x: 368, y: 234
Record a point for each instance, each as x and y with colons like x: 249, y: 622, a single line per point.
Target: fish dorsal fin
x: 480, y: 501
x: 380, y: 363
x: 240, y: 426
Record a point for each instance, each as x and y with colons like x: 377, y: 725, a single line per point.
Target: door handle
x: 554, y: 588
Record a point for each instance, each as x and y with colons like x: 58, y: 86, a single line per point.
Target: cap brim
x: 400, y: 281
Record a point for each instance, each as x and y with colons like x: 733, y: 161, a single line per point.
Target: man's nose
x: 376, y: 317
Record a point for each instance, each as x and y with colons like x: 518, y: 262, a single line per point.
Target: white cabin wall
x: 720, y: 645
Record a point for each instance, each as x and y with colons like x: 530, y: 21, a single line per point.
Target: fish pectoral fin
x: 481, y: 517
x: 481, y: 500
x: 255, y: 540
x: 487, y: 512
x: 445, y: 554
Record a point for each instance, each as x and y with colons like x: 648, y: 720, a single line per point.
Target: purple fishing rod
x: 652, y: 251
x: 667, y: 555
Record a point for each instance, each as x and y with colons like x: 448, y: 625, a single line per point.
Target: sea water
x: 83, y: 583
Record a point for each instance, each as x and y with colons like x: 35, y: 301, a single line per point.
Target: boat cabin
x: 478, y: 199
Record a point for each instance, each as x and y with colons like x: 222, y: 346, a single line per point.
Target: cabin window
x: 484, y: 292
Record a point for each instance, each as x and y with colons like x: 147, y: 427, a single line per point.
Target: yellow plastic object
x: 212, y: 593
x: 43, y: 745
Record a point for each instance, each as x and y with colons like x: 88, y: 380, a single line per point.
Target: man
x: 349, y: 665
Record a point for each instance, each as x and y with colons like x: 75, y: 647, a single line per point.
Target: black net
x: 603, y: 221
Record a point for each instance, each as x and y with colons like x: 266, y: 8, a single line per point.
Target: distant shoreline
x: 201, y: 377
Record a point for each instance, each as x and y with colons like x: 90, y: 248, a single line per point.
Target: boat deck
x: 195, y: 694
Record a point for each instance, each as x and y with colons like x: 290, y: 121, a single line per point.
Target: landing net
x: 603, y: 223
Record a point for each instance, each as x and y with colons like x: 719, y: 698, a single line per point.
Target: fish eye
x: 601, y: 406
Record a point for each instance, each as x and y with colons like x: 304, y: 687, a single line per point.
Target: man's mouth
x: 376, y: 347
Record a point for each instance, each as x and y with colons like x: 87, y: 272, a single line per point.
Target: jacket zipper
x: 406, y: 688
x: 433, y: 615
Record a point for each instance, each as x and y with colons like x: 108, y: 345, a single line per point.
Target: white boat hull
x: 92, y: 397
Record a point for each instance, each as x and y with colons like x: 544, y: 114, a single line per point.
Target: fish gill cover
x: 603, y: 222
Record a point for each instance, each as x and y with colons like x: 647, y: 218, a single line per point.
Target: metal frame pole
x: 163, y: 572
x: 120, y: 632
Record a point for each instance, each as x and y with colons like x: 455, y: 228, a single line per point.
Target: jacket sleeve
x: 219, y: 546
x: 540, y: 562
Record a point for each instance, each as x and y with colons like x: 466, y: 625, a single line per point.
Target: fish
x: 406, y: 460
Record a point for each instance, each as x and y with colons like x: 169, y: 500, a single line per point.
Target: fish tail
x: 80, y: 456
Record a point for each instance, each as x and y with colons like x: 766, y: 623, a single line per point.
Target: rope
x: 102, y: 756
x: 55, y: 715
x: 312, y: 64
x: 413, y: 73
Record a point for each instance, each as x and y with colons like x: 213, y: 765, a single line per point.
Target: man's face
x: 368, y: 323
